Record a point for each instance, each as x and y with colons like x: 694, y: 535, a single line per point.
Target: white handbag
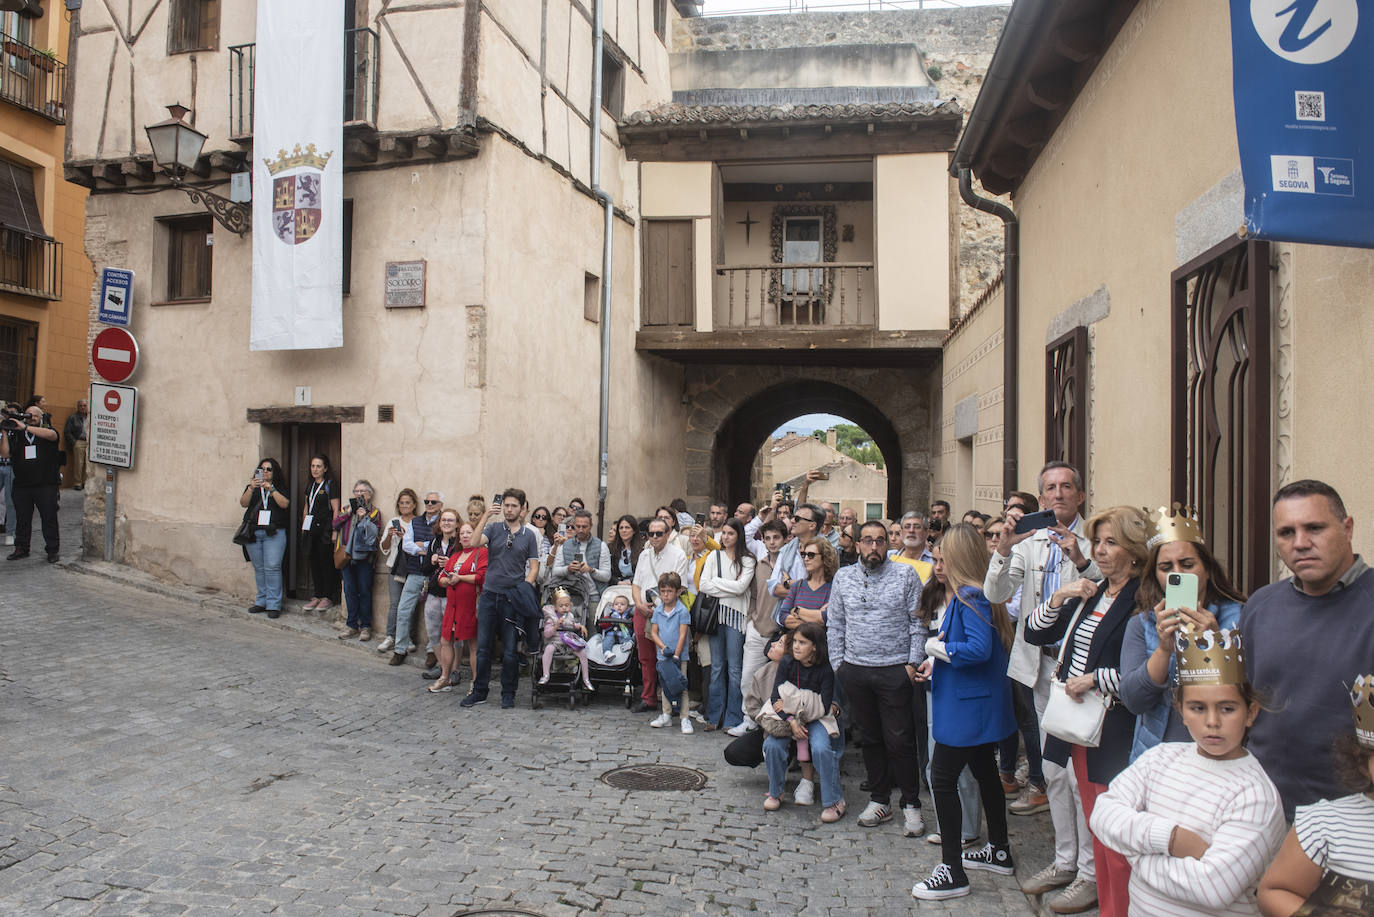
x: 1078, y: 722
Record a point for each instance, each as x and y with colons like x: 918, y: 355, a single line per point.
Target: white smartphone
x: 1180, y: 590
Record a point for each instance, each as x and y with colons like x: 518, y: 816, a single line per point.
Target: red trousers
x: 1113, y: 872
x: 648, y: 660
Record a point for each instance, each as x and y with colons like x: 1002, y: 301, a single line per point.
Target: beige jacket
x: 799, y: 703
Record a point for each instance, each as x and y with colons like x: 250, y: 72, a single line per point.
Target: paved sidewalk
x: 164, y: 755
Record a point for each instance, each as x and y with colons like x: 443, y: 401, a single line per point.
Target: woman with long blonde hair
x: 966, y: 665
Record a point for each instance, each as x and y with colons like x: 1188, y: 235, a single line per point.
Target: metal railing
x: 33, y: 79
x: 360, y: 82
x: 822, y: 293
x: 30, y: 264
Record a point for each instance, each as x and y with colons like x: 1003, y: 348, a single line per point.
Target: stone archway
x: 735, y: 408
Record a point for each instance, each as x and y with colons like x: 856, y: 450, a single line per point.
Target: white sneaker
x: 660, y: 721
x: 386, y: 644
x: 875, y: 813
x: 9, y: 539
x: 743, y: 729
x: 805, y: 794
x: 687, y: 726
x: 913, y: 824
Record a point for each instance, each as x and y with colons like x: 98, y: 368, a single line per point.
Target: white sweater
x: 734, y: 591
x: 1232, y: 805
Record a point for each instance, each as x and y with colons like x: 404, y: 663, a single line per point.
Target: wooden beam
x: 141, y: 169
x: 79, y: 175
x: 995, y: 183
x: 773, y: 144
x: 201, y: 168
x: 435, y: 145
x: 401, y: 147
x: 1032, y: 131
x: 360, y: 150
x: 1009, y: 161
x: 1052, y: 91
x: 228, y: 161
x: 108, y: 172
x: 1079, y: 40
x: 321, y: 414
x: 819, y: 345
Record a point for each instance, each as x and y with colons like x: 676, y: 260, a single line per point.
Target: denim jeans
x: 727, y: 659
x: 434, y: 620
x: 6, y: 483
x: 357, y: 589
x: 495, y: 612
x: 411, y: 596
x: 265, y: 551
x: 395, y: 590
x: 825, y: 756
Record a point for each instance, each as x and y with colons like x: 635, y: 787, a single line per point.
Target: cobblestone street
x: 167, y: 756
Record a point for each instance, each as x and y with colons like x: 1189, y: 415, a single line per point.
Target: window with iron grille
x: 193, y: 25
x: 190, y: 257
x: 18, y: 356
x: 1066, y: 399
x: 1222, y: 454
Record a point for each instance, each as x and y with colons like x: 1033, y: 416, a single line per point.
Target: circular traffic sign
x: 112, y: 401
x: 114, y: 354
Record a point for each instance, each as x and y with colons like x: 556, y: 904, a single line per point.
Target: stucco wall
x: 911, y: 205
x: 1100, y: 212
x: 968, y: 470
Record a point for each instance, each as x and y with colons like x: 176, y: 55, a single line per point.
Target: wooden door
x: 669, y: 281
x: 301, y: 441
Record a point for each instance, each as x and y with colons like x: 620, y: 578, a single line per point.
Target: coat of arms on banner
x: 296, y: 193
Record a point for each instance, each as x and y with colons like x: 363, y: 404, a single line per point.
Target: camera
x: 651, y: 596
x: 11, y: 418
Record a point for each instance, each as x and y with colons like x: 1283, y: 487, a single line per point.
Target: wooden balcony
x: 819, y: 313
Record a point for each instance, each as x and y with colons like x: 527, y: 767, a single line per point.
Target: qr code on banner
x: 1311, y: 106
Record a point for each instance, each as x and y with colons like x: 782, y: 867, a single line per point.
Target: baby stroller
x: 617, y: 670
x: 565, y: 672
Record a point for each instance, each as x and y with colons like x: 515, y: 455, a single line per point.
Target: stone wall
x: 956, y: 47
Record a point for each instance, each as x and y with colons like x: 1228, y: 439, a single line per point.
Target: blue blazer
x: 970, y: 694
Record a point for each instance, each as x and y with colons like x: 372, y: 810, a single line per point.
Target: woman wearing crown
x: 1326, y: 865
x: 1147, y: 666
x: 1198, y: 820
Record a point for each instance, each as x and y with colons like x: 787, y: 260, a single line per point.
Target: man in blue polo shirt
x: 512, y: 562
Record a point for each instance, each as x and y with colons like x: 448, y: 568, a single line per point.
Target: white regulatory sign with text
x: 114, y: 416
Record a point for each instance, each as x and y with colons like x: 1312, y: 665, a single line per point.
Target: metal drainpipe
x: 608, y: 205
x: 1011, y: 310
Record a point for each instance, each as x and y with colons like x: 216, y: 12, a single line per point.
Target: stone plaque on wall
x: 405, y: 284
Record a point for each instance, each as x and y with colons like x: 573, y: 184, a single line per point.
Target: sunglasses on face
x: 431, y: 503
x: 540, y: 517
x: 810, y: 554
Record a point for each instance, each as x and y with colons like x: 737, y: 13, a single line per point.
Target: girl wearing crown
x: 1147, y: 650
x: 1199, y: 820
x: 1326, y: 865
x: 562, y: 627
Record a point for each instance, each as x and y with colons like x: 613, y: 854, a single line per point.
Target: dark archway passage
x: 740, y: 437
x: 734, y: 408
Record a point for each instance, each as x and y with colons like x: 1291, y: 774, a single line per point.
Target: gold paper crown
x: 1209, y: 658
x: 1362, y: 699
x: 1179, y: 525
x: 298, y: 157
x: 560, y: 593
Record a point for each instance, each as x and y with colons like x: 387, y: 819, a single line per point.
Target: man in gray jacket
x: 876, y: 642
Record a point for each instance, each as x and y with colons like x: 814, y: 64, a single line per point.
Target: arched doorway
x: 734, y: 409
x: 740, y: 437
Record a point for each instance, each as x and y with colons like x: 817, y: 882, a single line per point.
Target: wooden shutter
x: 669, y: 284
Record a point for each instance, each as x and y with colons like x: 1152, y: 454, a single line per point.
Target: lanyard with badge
x: 264, y: 514
x: 310, y: 506
x: 30, y: 451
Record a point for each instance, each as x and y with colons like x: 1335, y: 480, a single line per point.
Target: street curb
x: 293, y: 618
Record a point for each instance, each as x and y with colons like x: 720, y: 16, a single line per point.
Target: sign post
x: 113, y: 424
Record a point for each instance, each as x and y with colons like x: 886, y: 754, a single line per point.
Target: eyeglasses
x: 871, y: 542
x: 810, y: 554
x: 432, y: 503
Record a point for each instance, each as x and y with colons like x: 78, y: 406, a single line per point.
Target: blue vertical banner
x: 1303, y: 74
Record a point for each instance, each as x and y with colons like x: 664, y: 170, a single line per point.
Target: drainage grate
x: 654, y: 777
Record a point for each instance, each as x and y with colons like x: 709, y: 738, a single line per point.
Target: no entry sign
x: 114, y: 354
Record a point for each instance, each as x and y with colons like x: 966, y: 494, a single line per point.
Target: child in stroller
x: 562, y: 628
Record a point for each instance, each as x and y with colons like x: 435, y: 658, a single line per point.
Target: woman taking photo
x: 317, y: 524
x: 407, y: 501
x: 264, y: 510
x: 1147, y: 651
x: 1090, y: 618
x: 358, y: 530
x: 728, y: 575
x: 625, y: 548
x: 966, y: 665
x: 807, y: 599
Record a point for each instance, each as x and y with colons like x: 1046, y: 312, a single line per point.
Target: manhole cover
x: 654, y: 777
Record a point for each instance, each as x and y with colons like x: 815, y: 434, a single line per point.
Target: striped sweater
x: 1231, y: 804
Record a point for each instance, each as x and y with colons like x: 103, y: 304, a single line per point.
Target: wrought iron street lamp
x: 176, y: 148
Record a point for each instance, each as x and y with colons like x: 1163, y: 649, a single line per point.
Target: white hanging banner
x: 298, y: 101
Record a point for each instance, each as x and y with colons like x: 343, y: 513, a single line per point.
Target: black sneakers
x: 990, y: 858
x: 941, y: 884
